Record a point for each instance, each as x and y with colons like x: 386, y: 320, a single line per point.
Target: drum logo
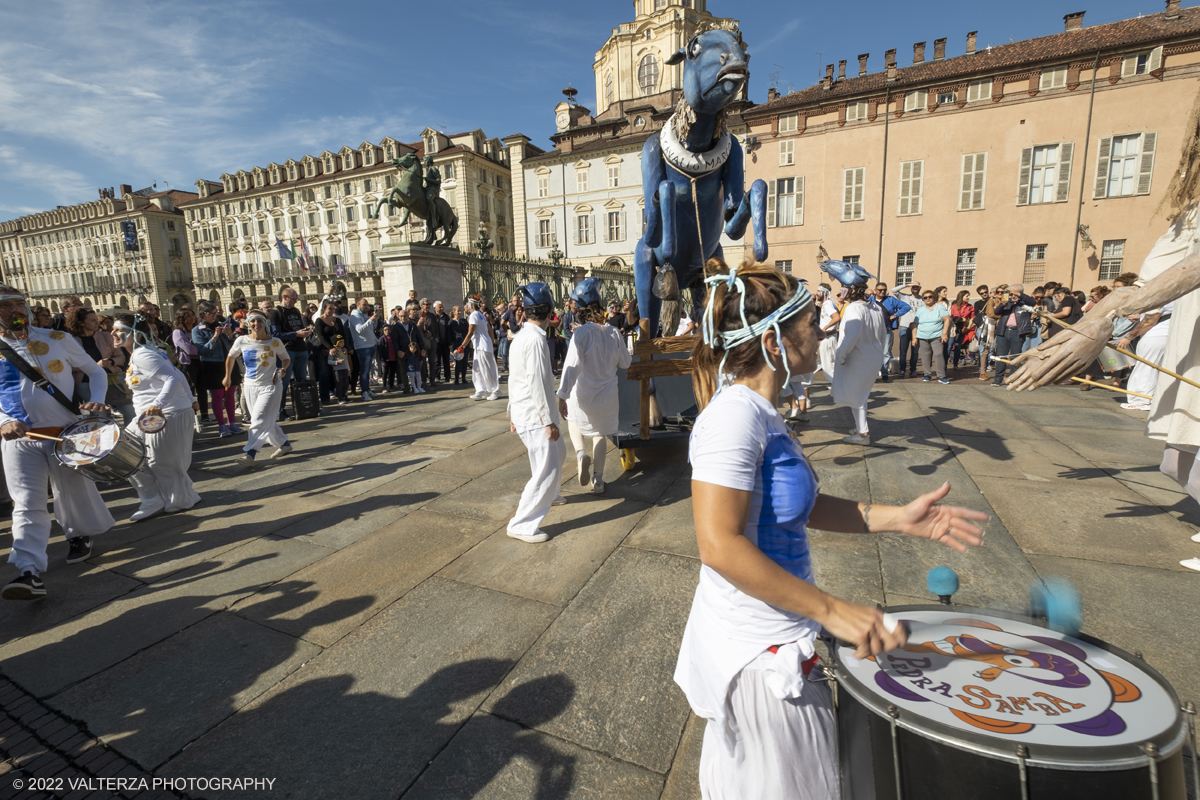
x: 1005, y: 683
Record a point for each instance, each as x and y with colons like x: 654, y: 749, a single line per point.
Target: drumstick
x: 1136, y: 357
x: 1112, y: 388
x: 33, y: 435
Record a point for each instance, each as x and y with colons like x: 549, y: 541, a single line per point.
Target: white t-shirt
x: 155, y: 381
x: 259, y: 358
x: 684, y: 322
x: 480, y: 340
x: 828, y: 309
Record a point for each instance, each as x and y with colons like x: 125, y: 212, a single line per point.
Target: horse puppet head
x: 715, y: 68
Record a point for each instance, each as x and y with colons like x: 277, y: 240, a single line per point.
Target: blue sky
x: 98, y: 93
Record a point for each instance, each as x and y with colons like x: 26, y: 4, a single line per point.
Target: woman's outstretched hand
x: 925, y: 518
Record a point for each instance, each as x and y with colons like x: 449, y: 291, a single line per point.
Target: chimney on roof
x: 939, y: 49
x: 889, y: 58
x: 841, y: 70
x: 125, y: 189
x: 918, y: 53
x: 1172, y: 9
x: 772, y: 94
x: 828, y: 81
x: 971, y: 42
x: 862, y: 64
x: 1073, y: 21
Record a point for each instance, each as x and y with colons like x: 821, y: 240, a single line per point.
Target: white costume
x: 1152, y: 346
x: 484, y: 374
x: 30, y: 463
x: 589, y: 385
x: 262, y: 389
x: 163, y: 481
x: 532, y: 406
x: 1173, y: 417
x: 828, y: 347
x: 859, y: 353
x: 770, y: 732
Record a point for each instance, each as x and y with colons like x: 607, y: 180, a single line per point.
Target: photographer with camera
x: 362, y: 334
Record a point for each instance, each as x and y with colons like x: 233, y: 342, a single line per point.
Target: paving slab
x: 669, y: 527
x: 844, y: 476
x: 492, y: 497
x: 1043, y: 459
x: 353, y: 480
x: 1138, y: 609
x: 346, y: 588
x: 153, y: 704
x: 846, y: 565
x: 494, y: 758
x: 367, y: 715
x: 582, y: 535
x: 47, y: 662
x: 909, y: 433
x: 683, y: 781
x: 1115, y: 448
x: 1100, y: 522
x: 980, y: 417
x: 475, y: 432
x: 1164, y: 492
x: 1095, y: 419
x: 626, y: 624
x: 656, y: 469
x: 480, y: 459
x: 900, y: 475
x: 71, y: 590
x: 344, y: 524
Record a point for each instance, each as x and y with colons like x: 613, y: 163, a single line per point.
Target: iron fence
x: 493, y: 277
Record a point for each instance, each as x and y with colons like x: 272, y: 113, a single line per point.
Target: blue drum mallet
x: 1057, y: 601
x: 943, y: 582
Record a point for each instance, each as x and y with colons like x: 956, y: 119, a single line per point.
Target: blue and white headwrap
x: 728, y: 340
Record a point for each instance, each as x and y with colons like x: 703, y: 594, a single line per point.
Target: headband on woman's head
x: 258, y: 314
x: 727, y: 340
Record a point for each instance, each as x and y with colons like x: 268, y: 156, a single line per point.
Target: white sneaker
x: 1191, y: 563
x: 598, y: 487
x: 368, y: 396
x: 246, y: 459
x: 478, y: 396
x: 1196, y: 538
x: 804, y: 417
x: 856, y: 439
x: 585, y: 468
x: 147, y: 512
x: 792, y: 413
x: 533, y: 538
x: 1136, y: 406
x: 854, y: 431
x: 559, y: 501
x: 494, y: 395
x: 282, y: 450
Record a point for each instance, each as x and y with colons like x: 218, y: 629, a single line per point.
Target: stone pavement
x: 353, y: 621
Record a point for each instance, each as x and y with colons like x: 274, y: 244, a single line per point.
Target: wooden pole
x: 1112, y: 388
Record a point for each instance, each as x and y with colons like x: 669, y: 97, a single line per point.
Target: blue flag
x: 284, y: 252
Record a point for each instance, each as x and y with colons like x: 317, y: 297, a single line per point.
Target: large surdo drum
x: 984, y: 705
x: 100, y: 449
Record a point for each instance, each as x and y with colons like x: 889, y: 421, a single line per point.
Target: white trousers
x: 828, y: 355
x: 1144, y: 378
x: 1181, y: 463
x: 263, y: 402
x: 485, y: 377
x: 597, y: 444
x: 787, y: 749
x: 545, y: 462
x: 78, y: 507
x: 164, y: 478
x: 860, y: 419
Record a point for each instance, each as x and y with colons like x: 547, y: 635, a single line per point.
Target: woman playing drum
x: 749, y: 639
x: 260, y: 352
x: 588, y: 392
x: 160, y: 391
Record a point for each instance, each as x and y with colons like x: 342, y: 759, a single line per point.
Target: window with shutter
x: 856, y: 111
x: 910, y: 187
x: 787, y: 123
x: 1146, y: 168
x: 1103, y: 155
x: 787, y: 153
x: 974, y: 169
x: 1043, y: 179
x: 785, y: 202
x: 1023, y: 176
x: 800, y: 200
x: 1055, y: 78
x: 852, y: 198
x: 915, y: 101
x: 771, y: 200
x: 1066, y: 152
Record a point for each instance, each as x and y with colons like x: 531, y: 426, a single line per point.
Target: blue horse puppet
x: 693, y: 179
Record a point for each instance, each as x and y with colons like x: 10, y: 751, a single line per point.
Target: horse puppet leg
x: 758, y: 218
x: 666, y: 280
x: 644, y: 268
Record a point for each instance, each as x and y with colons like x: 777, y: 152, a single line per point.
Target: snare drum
x: 101, y: 450
x: 984, y: 705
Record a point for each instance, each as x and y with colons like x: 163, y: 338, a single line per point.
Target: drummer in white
x: 587, y: 395
x: 159, y: 390
x: 749, y: 639
x: 262, y: 388
x: 30, y: 463
x: 484, y: 373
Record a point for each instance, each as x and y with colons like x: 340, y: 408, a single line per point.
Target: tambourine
x: 458, y: 355
x: 151, y: 423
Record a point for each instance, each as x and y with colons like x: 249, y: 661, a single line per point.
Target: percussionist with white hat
x: 35, y: 397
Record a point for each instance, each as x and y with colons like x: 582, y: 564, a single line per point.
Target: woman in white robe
x: 859, y: 353
x: 587, y: 394
x: 159, y: 389
x: 265, y: 359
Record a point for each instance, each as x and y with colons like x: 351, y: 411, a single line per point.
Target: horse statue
x: 693, y: 182
x: 411, y: 195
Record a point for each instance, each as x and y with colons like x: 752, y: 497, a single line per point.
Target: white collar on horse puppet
x: 684, y: 160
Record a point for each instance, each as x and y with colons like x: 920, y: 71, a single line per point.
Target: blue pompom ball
x: 1058, y: 601
x: 942, y: 581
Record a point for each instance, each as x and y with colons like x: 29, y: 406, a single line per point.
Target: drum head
x: 90, y: 439
x: 151, y: 423
x: 989, y: 682
x: 457, y: 355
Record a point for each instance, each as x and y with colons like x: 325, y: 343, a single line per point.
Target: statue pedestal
x: 435, y: 272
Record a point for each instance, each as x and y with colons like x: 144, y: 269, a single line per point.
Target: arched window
x: 648, y: 74
x: 608, y: 89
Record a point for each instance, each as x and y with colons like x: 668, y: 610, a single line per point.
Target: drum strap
x: 39, y: 380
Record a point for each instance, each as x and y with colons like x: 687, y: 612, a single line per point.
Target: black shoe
x: 885, y: 378
x: 81, y: 549
x: 26, y: 587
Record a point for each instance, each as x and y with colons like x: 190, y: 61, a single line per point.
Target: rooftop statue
x: 418, y: 192
x: 693, y: 181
